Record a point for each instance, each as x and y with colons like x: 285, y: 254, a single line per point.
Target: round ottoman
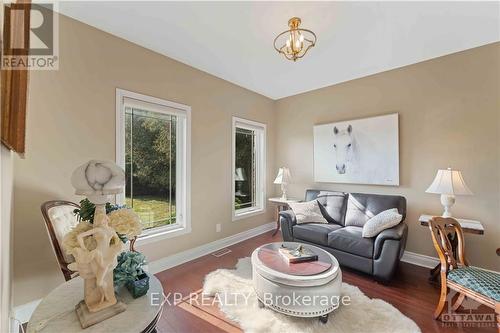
x: 306, y: 289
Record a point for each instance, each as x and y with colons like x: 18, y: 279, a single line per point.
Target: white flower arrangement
x: 125, y: 222
x: 70, y: 242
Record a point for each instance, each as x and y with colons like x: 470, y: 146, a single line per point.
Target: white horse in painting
x: 358, y: 157
x: 347, y: 150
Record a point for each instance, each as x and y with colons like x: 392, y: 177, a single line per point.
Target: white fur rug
x: 361, y: 315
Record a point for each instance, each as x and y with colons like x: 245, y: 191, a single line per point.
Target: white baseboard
x: 191, y: 254
x: 419, y: 259
x: 427, y: 261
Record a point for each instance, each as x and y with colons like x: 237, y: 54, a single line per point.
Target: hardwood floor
x: 409, y: 291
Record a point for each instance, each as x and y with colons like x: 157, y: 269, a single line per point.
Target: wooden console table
x: 468, y: 226
x: 281, y: 204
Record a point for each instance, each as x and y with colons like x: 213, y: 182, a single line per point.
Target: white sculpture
x: 96, y: 266
x: 97, y: 250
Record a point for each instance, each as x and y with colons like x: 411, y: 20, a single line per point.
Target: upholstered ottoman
x: 307, y: 289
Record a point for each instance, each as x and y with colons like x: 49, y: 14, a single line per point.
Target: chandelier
x: 295, y: 42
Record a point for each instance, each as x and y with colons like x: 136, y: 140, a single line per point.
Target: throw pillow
x: 332, y: 205
x: 383, y: 220
x: 357, y: 212
x: 307, y: 212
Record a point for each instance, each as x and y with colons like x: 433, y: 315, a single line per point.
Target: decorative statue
x: 96, y: 265
x: 95, y: 246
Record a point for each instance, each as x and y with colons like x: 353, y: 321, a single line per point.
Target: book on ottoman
x: 300, y: 254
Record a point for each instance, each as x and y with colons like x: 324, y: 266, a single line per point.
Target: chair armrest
x: 287, y: 221
x: 398, y: 232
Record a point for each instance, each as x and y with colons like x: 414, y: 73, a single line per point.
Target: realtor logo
x: 31, y: 36
x: 468, y: 315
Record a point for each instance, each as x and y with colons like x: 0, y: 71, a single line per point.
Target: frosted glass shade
x: 449, y: 182
x: 283, y: 177
x: 98, y: 178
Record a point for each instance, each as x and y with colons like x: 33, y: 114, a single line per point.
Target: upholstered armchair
x: 59, y: 220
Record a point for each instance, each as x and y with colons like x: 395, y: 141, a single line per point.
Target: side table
x: 468, y: 226
x: 281, y: 204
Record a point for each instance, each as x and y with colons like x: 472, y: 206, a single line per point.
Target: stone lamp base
x: 447, y: 201
x: 88, y: 318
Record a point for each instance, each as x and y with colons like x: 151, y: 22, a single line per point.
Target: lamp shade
x: 449, y: 182
x: 239, y: 175
x: 283, y: 176
x: 98, y: 178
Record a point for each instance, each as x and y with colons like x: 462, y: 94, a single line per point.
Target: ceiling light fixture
x: 295, y: 41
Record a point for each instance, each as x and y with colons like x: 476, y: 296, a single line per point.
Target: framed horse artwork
x: 362, y: 151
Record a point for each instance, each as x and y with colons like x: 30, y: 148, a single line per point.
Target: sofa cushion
x: 333, y: 206
x: 316, y: 233
x: 362, y: 207
x: 307, y: 212
x: 349, y: 239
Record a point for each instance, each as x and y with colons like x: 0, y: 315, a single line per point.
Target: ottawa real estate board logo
x: 31, y: 36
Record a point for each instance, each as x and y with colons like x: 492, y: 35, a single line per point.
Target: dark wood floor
x: 409, y: 291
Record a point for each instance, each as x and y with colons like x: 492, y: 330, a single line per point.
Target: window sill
x: 161, y: 234
x: 243, y: 215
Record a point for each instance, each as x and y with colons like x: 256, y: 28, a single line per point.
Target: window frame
x: 183, y: 158
x: 261, y: 143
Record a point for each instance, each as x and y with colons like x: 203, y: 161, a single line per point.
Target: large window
x: 152, y: 144
x: 248, y: 167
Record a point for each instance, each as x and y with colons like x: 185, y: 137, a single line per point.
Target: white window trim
x: 252, y: 125
x: 183, y: 154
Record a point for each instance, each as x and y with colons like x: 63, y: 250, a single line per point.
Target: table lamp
x: 283, y: 178
x: 239, y: 178
x: 448, y: 183
x: 98, y: 180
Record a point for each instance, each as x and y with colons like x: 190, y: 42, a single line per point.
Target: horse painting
x: 364, y: 151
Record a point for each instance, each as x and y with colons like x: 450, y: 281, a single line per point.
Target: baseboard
x: 194, y: 253
x: 427, y: 261
x: 419, y: 259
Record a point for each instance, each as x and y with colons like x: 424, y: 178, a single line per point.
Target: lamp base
x: 88, y: 318
x: 447, y: 200
x: 283, y: 191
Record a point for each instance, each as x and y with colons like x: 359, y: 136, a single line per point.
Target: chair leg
x: 458, y: 302
x: 497, y: 312
x: 442, y: 297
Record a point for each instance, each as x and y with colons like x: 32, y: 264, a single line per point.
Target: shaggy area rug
x: 362, y: 315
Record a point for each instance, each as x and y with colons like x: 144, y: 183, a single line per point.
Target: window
x: 248, y: 167
x: 153, y: 148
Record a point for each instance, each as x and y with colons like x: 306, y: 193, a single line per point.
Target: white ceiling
x: 234, y: 41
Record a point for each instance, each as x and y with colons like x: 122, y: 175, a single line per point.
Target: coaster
x: 88, y: 318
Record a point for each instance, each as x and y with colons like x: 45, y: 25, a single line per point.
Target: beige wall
x: 72, y: 119
x: 449, y: 111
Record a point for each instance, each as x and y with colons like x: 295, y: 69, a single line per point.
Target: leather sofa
x: 346, y: 214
